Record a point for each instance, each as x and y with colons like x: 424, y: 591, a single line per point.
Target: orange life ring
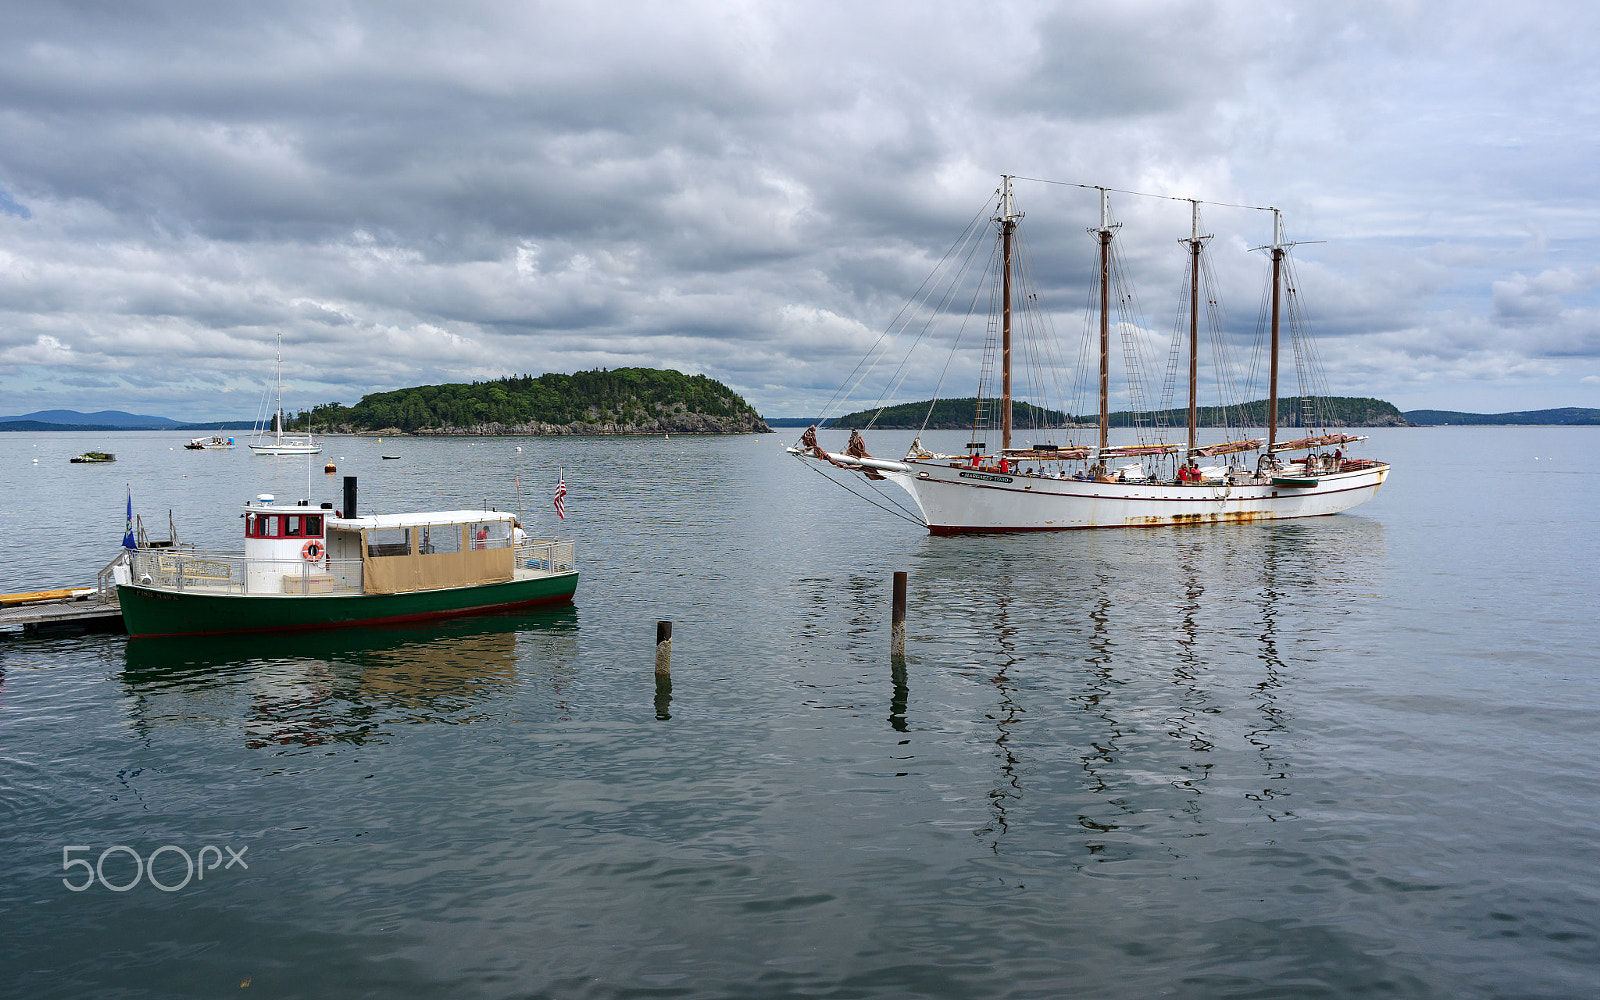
x: 311, y: 551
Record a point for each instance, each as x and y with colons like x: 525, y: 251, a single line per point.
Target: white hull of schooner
x: 958, y: 500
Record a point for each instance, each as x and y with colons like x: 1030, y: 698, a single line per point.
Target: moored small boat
x: 306, y: 567
x: 215, y: 442
x: 279, y: 443
x: 93, y: 457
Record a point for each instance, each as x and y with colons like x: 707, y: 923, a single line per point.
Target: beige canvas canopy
x: 401, y: 553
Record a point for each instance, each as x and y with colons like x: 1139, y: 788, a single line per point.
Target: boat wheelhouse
x: 306, y: 567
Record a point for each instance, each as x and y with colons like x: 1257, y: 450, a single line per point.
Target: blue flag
x: 127, y: 539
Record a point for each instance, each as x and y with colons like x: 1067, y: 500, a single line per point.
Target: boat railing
x: 105, y: 582
x: 548, y: 557
x: 231, y: 573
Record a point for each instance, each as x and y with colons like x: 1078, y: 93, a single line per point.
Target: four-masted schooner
x: 1051, y: 488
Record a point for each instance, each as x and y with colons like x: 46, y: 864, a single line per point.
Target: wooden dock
x: 60, y: 612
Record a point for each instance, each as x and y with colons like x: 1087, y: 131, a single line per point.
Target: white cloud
x: 754, y: 189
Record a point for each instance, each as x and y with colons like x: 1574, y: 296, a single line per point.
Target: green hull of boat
x: 1294, y: 482
x: 148, y: 612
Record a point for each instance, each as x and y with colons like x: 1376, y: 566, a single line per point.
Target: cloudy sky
x: 415, y: 193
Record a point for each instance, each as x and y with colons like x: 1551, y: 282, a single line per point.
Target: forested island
x: 618, y: 401
x: 1563, y: 416
x: 955, y: 414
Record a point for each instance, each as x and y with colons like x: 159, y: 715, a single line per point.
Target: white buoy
x: 519, y: 449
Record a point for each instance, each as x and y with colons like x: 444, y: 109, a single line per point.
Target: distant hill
x: 98, y: 420
x: 1566, y: 415
x: 72, y: 420
x: 953, y: 414
x: 618, y: 401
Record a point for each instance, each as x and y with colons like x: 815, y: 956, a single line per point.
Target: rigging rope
x: 842, y: 394
x: 919, y: 522
x: 1144, y: 194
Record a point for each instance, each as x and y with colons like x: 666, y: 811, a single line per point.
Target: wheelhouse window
x: 282, y: 525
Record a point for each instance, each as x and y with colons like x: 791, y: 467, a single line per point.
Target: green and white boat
x: 307, y: 567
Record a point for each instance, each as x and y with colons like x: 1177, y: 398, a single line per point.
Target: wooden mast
x: 1104, y: 232
x: 1272, y: 387
x: 1195, y: 241
x: 1008, y: 225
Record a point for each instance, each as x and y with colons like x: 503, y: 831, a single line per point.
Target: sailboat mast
x: 1104, y: 232
x: 1008, y: 226
x: 1277, y: 273
x: 279, y: 438
x: 1194, y: 321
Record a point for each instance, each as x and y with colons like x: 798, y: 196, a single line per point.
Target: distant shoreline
x: 63, y: 428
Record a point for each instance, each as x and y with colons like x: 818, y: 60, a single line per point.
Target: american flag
x: 561, y: 492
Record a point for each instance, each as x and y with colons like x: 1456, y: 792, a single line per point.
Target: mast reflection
x: 1178, y: 652
x: 1008, y: 789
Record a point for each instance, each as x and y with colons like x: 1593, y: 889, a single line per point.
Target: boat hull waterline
x: 150, y: 612
x: 963, y: 500
x: 286, y: 449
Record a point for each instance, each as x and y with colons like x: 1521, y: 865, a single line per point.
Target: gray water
x: 1349, y: 756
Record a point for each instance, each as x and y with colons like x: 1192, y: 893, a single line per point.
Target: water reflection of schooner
x: 1044, y: 487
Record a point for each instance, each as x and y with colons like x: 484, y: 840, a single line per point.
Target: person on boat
x: 1338, y: 459
x: 481, y: 540
x: 1005, y: 464
x: 518, y: 536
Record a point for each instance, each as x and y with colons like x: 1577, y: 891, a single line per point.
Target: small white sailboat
x: 1051, y: 487
x: 277, y: 442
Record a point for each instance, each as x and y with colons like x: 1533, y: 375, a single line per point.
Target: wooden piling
x: 663, y: 670
x: 897, y: 620
x: 663, y: 649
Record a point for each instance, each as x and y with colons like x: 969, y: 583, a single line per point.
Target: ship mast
x: 1195, y: 241
x: 279, y: 424
x: 1104, y: 231
x: 1008, y: 226
x: 1277, y: 273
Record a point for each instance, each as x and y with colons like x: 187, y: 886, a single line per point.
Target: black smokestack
x: 349, y: 496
